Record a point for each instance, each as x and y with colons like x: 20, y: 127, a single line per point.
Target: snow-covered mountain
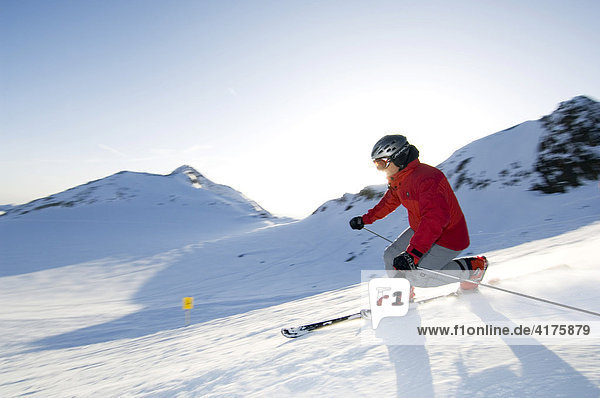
x: 559, y: 152
x: 96, y: 276
x: 127, y: 213
x: 185, y: 187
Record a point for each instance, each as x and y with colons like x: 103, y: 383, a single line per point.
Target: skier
x: 438, y: 231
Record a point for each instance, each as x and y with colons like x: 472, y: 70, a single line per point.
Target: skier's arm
x: 435, y: 216
x: 386, y: 205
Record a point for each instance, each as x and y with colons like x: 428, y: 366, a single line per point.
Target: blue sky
x: 282, y: 100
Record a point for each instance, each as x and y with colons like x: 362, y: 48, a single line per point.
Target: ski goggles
x: 382, y: 163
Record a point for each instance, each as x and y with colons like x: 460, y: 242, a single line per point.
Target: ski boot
x: 478, y: 267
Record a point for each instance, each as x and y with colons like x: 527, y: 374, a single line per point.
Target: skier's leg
x: 437, y: 258
x: 442, y: 259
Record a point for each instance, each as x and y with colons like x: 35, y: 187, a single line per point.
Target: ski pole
x: 495, y: 287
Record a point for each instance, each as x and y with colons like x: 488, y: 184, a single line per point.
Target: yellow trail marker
x: 188, y: 304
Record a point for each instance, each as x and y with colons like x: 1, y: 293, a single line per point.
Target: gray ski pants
x: 437, y: 258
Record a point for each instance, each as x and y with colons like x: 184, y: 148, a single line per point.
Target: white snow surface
x: 91, y: 290
x: 115, y: 328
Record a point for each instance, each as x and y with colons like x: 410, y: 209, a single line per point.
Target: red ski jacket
x: 433, y: 210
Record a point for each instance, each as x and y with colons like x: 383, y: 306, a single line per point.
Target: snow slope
x: 86, y: 336
x: 91, y: 283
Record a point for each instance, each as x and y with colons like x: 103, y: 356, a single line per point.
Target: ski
x: 293, y: 332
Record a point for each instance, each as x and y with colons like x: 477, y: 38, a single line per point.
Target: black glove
x: 404, y: 262
x: 357, y: 223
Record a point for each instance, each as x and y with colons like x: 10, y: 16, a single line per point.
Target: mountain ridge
x: 129, y: 185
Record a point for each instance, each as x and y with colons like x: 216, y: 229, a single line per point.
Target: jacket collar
x: 397, y: 178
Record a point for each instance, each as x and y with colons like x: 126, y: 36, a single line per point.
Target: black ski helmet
x: 397, y: 148
x: 390, y: 146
